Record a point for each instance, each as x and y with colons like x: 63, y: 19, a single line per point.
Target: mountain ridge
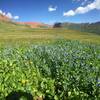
x: 85, y: 27
x: 34, y: 24
x: 30, y: 24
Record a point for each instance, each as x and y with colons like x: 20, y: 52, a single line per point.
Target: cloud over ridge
x: 9, y: 15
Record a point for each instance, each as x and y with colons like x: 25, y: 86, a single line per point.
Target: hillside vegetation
x: 11, y: 26
x: 11, y: 32
x: 84, y: 27
x: 49, y: 63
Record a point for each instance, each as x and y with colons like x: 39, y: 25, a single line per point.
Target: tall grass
x: 65, y: 70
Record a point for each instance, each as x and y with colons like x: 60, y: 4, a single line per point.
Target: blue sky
x: 50, y: 11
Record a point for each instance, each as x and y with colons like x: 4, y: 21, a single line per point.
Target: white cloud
x: 51, y: 8
x: 82, y: 10
x: 9, y: 15
x: 69, y: 13
x: 16, y: 17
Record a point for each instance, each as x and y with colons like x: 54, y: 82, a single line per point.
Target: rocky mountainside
x: 35, y: 24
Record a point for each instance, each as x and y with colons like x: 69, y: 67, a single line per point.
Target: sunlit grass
x: 45, y: 35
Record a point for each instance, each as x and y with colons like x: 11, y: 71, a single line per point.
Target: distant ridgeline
x: 7, y: 23
x: 85, y: 27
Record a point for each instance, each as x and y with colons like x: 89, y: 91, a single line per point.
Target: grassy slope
x: 10, y: 32
x: 84, y: 27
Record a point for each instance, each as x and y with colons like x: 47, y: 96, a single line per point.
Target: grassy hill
x: 84, y: 27
x: 11, y: 26
x: 12, y: 32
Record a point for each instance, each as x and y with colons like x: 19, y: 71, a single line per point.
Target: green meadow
x: 49, y: 63
x: 44, y: 35
x: 13, y: 33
